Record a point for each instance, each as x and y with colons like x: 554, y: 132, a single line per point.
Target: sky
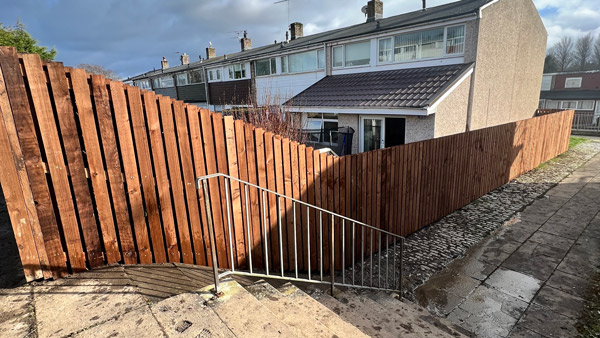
x: 131, y: 36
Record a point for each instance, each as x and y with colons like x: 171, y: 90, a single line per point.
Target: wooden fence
x: 96, y: 172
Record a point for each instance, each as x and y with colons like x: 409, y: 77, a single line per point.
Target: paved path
x: 528, y: 279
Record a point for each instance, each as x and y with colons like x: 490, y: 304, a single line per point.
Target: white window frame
x: 341, y: 47
x: 573, y: 78
x: 444, y: 55
x: 187, y: 79
x: 580, y: 105
x: 361, y: 127
x: 355, y: 43
x: 562, y: 104
x: 391, y: 38
x: 304, y: 71
x: 284, y: 70
x: 271, y: 61
x: 243, y: 71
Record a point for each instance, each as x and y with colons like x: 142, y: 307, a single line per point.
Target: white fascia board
x: 485, y: 6
x: 360, y: 111
x: 433, y: 106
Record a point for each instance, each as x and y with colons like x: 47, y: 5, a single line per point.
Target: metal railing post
x: 332, y: 261
x: 211, y: 234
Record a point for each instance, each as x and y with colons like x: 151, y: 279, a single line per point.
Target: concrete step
x: 318, y: 312
x: 355, y: 312
x: 286, y: 310
x: 418, y: 321
x: 243, y: 314
x: 186, y: 315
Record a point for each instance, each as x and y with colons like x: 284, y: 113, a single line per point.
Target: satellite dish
x: 364, y: 10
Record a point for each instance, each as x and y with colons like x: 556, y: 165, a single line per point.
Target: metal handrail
x: 396, y: 285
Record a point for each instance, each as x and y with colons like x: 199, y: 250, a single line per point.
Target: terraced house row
x: 437, y: 71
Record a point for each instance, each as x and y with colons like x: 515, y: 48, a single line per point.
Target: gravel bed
x: 432, y: 248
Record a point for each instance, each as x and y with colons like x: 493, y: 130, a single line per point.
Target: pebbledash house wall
x: 451, y: 113
x: 511, y: 47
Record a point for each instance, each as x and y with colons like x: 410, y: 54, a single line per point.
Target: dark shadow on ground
x: 11, y: 271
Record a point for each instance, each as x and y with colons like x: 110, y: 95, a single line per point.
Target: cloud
x: 131, y: 37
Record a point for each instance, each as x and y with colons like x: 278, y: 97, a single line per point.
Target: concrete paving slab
x: 514, y: 283
x: 486, y: 301
x: 493, y: 325
x: 16, y: 312
x: 559, y: 302
x: 319, y: 312
x: 286, y: 311
x: 438, y: 301
x: 138, y: 323
x: 551, y: 240
x: 520, y: 331
x: 538, y: 249
x: 504, y: 244
x: 548, y: 323
x: 537, y: 266
x: 570, y: 284
x: 577, y: 265
x: 83, y: 301
x: 185, y: 315
x: 472, y: 267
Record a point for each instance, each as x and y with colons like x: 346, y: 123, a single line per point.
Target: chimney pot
x: 246, y: 43
x: 374, y: 10
x: 296, y: 30
x: 185, y: 59
x: 164, y: 64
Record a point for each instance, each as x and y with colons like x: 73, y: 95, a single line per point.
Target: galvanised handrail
x: 202, y: 183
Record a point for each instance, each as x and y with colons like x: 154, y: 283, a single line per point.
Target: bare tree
x: 99, y: 70
x: 597, y: 52
x: 583, y: 50
x: 562, y: 51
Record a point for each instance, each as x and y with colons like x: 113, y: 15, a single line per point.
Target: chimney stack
x: 296, y: 30
x: 210, y: 51
x: 374, y: 10
x: 245, y: 42
x: 164, y: 64
x: 185, y: 59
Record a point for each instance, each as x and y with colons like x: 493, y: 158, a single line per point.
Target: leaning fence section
x: 96, y: 172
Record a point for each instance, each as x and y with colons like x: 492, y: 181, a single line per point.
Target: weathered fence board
x: 95, y: 165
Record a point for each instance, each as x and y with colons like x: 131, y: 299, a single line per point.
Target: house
x: 579, y: 91
x: 438, y: 71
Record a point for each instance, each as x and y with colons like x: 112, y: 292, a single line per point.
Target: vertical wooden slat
x: 318, y: 202
x: 142, y: 148
x: 189, y: 181
x: 132, y: 180
x: 242, y: 165
x: 15, y: 188
x: 70, y: 139
x: 262, y: 173
x: 302, y: 229
x: 113, y: 167
x: 37, y: 85
x: 272, y: 185
x: 254, y: 193
x: 235, y: 193
x: 295, y: 170
x: 193, y: 115
x: 175, y: 178
x: 311, y: 184
x: 279, y: 178
x: 162, y: 179
x: 287, y: 184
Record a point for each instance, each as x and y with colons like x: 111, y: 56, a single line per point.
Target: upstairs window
x: 337, y: 56
x: 357, y: 54
x: 266, y: 67
x: 237, y: 71
x: 433, y: 43
x: 302, y: 62
x: 455, y: 40
x: 163, y: 82
x: 573, y: 82
x: 546, y: 82
x: 284, y: 64
x: 196, y: 76
x: 143, y: 84
x: 385, y: 50
x: 321, y: 59
x: 182, y: 79
x: 568, y: 105
x: 214, y: 75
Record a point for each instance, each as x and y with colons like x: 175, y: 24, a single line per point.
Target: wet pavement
x: 529, y: 278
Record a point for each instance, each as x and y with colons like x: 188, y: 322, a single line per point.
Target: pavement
x: 530, y: 278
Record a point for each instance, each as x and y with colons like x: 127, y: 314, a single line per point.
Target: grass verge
x: 574, y: 141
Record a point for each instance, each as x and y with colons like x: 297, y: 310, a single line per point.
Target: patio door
x: 378, y: 132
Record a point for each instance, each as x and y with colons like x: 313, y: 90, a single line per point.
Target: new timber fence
x: 97, y: 172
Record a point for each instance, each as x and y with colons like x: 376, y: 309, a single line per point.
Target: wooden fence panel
x: 112, y: 169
